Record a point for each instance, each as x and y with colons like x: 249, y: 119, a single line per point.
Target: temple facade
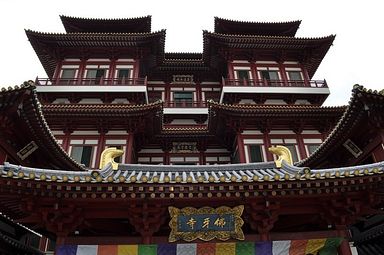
x: 127, y: 149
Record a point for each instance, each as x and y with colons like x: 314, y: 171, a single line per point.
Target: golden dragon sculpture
x: 283, y: 153
x: 108, y: 156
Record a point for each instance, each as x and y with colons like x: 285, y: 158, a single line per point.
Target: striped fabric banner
x: 294, y: 247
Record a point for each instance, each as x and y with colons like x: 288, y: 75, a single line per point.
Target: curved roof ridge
x: 342, y: 124
x: 62, y: 16
x: 34, y: 32
x: 50, y: 143
x: 268, y: 36
x: 259, y: 22
x: 259, y: 106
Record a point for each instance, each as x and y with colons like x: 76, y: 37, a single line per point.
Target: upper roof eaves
x: 96, y: 25
x: 227, y: 26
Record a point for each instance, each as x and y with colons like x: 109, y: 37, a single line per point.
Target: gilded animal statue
x: 283, y: 153
x: 108, y: 156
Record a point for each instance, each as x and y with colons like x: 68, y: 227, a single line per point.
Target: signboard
x: 184, y: 147
x: 185, y: 79
x: 27, y: 150
x: 206, y: 223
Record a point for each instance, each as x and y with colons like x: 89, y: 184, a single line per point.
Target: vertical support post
x: 344, y: 248
x: 306, y: 76
x: 201, y: 158
x: 100, y: 148
x: 267, y: 144
x: 56, y: 76
x: 82, y: 68
x: 240, y: 148
x: 166, y: 160
x: 301, y: 145
x: 147, y: 238
x: 66, y: 141
x: 283, y: 74
x: 230, y: 70
x: 128, y: 158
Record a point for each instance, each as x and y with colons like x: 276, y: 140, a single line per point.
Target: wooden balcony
x: 313, y: 91
x: 275, y: 83
x: 135, y: 90
x: 92, y: 82
x: 185, y: 107
x: 185, y: 104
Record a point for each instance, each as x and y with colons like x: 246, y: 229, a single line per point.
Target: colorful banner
x: 294, y: 247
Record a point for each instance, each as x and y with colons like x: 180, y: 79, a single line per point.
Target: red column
x: 344, y: 248
x: 100, y: 148
x: 82, y: 68
x: 66, y: 140
x: 112, y: 69
x: 254, y: 73
x: 56, y: 75
x: 305, y: 74
x: 283, y: 74
x: 240, y: 148
x: 136, y: 68
x: 166, y: 160
x: 267, y: 144
x: 230, y: 70
x: 201, y: 158
x: 301, y: 146
x: 128, y: 157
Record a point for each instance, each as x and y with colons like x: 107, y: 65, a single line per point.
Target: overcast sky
x: 355, y: 57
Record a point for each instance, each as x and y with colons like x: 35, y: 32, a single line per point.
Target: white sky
x: 355, y: 57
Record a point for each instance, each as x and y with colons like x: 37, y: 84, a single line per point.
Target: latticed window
x: 183, y: 99
x: 68, y: 73
x: 242, y: 74
x: 96, y: 75
x: 256, y: 153
x: 270, y: 75
x: 294, y: 76
x: 82, y: 154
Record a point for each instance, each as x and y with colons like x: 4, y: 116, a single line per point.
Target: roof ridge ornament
x: 283, y: 153
x: 108, y: 156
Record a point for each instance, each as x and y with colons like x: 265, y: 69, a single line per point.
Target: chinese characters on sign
x: 183, y: 79
x: 184, y: 147
x: 206, y: 223
x: 201, y: 222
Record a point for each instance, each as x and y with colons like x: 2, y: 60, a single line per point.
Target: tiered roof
x: 226, y: 26
x: 51, y: 47
x: 111, y: 38
x: 309, y: 51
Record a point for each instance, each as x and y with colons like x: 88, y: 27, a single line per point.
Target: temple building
x: 126, y: 149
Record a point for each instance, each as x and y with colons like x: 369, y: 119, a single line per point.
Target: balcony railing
x: 186, y: 104
x: 275, y: 83
x: 92, y: 82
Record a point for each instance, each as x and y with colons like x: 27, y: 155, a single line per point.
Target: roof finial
x: 108, y: 156
x: 283, y: 153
